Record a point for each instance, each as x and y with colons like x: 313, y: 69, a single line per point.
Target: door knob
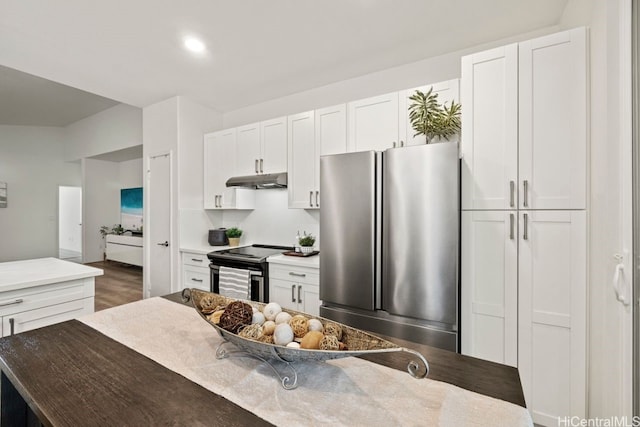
x: 165, y: 244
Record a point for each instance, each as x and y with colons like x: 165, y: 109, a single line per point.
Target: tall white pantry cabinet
x: 524, y: 186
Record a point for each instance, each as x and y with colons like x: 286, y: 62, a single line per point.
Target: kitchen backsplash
x: 271, y: 222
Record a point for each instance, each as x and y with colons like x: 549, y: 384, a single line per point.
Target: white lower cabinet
x: 195, y: 271
x: 34, y: 307
x: 295, y: 288
x: 524, y: 303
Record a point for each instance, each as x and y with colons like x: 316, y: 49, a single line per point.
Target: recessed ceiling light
x: 194, y: 45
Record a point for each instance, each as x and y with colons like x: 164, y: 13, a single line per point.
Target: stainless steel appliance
x: 252, y: 258
x: 389, y: 228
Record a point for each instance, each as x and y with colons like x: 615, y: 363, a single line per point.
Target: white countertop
x: 312, y: 261
x: 42, y: 271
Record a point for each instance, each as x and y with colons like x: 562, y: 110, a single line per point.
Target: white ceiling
x: 131, y: 51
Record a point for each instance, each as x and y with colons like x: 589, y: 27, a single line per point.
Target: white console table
x: 40, y: 292
x: 127, y: 249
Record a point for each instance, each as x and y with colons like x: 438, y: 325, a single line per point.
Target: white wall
x: 113, y: 129
x: 130, y: 173
x: 272, y: 222
x: 101, y: 204
x: 32, y: 165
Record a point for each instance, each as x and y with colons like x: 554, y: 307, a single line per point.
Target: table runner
x: 348, y: 391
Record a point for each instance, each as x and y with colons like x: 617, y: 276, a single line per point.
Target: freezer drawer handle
x: 525, y: 234
x: 293, y: 293
x: 299, y: 289
x: 291, y: 273
x: 16, y: 301
x: 196, y: 280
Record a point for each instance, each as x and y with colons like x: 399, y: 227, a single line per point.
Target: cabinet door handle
x: 394, y: 144
x: 311, y: 198
x: 12, y: 324
x: 525, y: 186
x: 196, y: 260
x: 261, y: 169
x: 525, y: 233
x: 511, y: 226
x: 291, y: 273
x: 299, y: 290
x: 256, y: 166
x: 219, y: 201
x: 317, y: 199
x: 15, y: 301
x: 512, y: 186
x: 293, y: 293
x: 196, y: 280
x: 401, y: 143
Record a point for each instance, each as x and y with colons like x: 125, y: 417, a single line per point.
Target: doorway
x: 158, y: 226
x: 70, y: 223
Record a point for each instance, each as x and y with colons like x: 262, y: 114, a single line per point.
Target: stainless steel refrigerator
x: 389, y: 228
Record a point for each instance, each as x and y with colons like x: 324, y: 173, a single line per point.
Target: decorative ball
x: 215, y: 316
x: 208, y: 304
x: 299, y: 325
x: 311, y: 340
x: 258, y: 318
x: 331, y: 328
x: 293, y: 344
x: 329, y: 342
x: 315, y: 325
x: 282, y: 317
x: 236, y: 315
x: 271, y: 310
x: 268, y: 327
x: 255, y: 309
x: 253, y: 331
x: 283, y: 334
x: 267, y: 339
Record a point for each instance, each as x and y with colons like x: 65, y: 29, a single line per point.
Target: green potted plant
x: 431, y: 119
x: 306, y: 242
x: 233, y: 234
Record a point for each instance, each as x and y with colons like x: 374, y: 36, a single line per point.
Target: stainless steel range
x: 249, y: 262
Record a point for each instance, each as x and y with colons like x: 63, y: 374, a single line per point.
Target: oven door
x: 256, y: 275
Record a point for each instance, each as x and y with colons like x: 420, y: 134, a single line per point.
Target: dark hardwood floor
x: 120, y: 284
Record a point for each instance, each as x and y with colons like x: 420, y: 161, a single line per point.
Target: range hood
x: 259, y: 182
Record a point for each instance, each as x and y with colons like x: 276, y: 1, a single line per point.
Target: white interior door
x: 159, y: 225
x: 70, y: 223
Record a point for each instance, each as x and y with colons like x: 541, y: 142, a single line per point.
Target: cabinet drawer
x: 20, y: 300
x: 32, y: 319
x: 198, y: 260
x: 196, y: 278
x: 306, y: 275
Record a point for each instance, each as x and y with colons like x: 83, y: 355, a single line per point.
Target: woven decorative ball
x: 253, y: 331
x: 329, y: 342
x: 267, y: 339
x: 299, y: 325
x: 236, y: 315
x: 208, y: 304
x: 331, y: 328
x: 215, y: 316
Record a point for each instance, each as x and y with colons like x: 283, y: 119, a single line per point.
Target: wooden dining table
x: 69, y: 374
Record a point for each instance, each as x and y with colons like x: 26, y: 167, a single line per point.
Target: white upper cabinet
x: 447, y: 91
x: 248, y: 150
x: 489, y: 286
x: 219, y: 166
x: 262, y: 147
x: 524, y: 113
x: 273, y: 146
x: 553, y: 121
x: 374, y: 123
x: 331, y: 133
x: 302, y: 160
x: 489, y: 95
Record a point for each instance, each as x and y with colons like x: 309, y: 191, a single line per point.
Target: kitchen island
x: 39, y: 292
x: 80, y: 376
